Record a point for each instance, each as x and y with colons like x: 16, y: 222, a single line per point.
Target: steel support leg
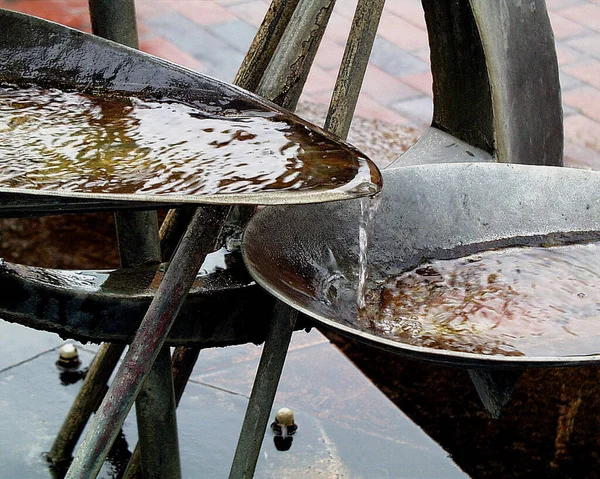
x: 157, y: 422
x: 263, y: 391
x: 287, y: 72
x: 115, y: 20
x: 86, y: 402
x: 354, y: 65
x: 183, y: 362
x: 149, y: 339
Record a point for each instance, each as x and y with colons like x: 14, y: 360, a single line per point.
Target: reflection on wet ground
x: 549, y: 428
x: 336, y: 436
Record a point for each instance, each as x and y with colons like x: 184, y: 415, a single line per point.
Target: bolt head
x: 68, y: 352
x: 284, y: 417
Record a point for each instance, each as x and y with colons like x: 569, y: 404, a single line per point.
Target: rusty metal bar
x: 354, y: 65
x: 265, y: 42
x: 173, y: 228
x: 288, y: 70
x: 86, y: 402
x: 115, y: 20
x: 263, y: 391
x: 193, y: 248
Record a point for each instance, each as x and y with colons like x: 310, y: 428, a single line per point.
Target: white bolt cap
x: 68, y: 351
x: 285, y: 417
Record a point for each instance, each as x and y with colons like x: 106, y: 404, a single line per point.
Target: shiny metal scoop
x: 95, y: 123
x: 427, y: 211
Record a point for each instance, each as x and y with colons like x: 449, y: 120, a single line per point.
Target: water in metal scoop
x: 513, y: 301
x: 461, y: 270
x: 55, y: 142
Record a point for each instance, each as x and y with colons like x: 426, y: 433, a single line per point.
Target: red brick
x: 402, y: 34
x: 588, y: 72
x: 323, y: 98
x: 368, y: 107
x: 74, y: 14
x: 578, y: 156
x: 164, y: 49
x: 586, y: 99
x: 555, y: 5
x: 565, y: 28
x: 338, y: 28
x: 228, y: 2
x: 251, y: 12
x: 203, y: 12
x: 589, y: 44
x: 422, y: 82
x: 385, y: 87
x: 588, y: 15
x: 319, y: 81
x: 346, y: 8
x: 409, y: 10
x: 329, y: 55
x: 566, y: 55
x: 145, y: 9
x: 583, y: 131
x: 424, y: 54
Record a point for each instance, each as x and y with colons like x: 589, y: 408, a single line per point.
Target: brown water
x: 540, y: 301
x: 56, y: 141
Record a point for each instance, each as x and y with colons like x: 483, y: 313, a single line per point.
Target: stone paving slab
x: 347, y: 428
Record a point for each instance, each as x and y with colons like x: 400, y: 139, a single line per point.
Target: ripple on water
x: 52, y: 140
x: 534, y: 301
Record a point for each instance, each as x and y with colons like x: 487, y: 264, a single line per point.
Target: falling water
x: 368, y: 208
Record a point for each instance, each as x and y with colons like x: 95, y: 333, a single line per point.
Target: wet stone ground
x: 346, y: 427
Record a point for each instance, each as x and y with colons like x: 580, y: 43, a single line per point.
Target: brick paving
x: 211, y: 36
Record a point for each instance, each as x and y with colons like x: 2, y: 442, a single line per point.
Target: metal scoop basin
x: 83, y: 118
x: 428, y: 213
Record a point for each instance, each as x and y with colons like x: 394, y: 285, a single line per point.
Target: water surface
x: 536, y: 301
x: 57, y: 142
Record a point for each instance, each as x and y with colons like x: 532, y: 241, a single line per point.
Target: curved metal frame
x: 495, y: 84
x: 488, y: 106
x: 430, y: 211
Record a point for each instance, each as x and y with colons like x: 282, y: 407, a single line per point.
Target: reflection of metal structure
x: 496, y: 97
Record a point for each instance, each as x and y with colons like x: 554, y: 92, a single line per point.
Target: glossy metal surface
x: 50, y: 55
x: 224, y: 306
x: 427, y: 211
